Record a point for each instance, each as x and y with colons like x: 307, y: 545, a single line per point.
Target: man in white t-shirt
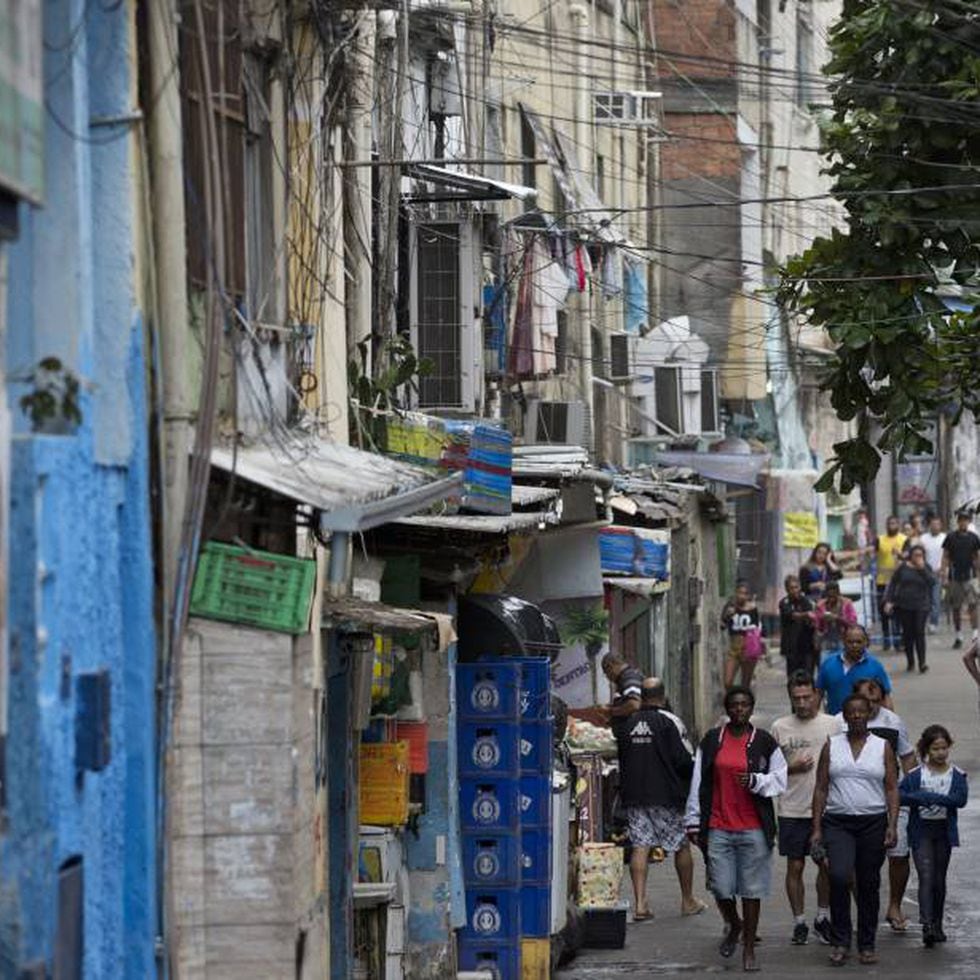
x: 801, y: 736
x: 889, y: 726
x: 932, y: 541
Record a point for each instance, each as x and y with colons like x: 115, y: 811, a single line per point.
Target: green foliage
x: 402, y: 368
x: 902, y: 144
x: 586, y: 626
x: 52, y: 404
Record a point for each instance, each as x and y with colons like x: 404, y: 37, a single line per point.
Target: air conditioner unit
x: 625, y: 108
x: 564, y: 423
x: 622, y: 356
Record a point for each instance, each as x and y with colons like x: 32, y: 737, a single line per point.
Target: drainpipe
x: 580, y: 27
x: 167, y: 198
x: 339, y: 564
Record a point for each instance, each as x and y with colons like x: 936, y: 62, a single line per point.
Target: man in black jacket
x: 654, y: 772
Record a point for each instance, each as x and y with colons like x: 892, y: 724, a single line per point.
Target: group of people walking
x: 915, y: 570
x: 843, y: 786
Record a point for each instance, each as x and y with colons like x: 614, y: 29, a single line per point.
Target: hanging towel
x: 612, y: 273
x: 637, y: 309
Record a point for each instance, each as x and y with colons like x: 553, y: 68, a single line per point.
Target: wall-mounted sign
x: 800, y: 530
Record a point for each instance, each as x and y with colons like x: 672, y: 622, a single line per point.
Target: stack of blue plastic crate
x: 489, y: 746
x: 536, y: 746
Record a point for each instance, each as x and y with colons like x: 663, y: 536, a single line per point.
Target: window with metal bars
x: 438, y: 325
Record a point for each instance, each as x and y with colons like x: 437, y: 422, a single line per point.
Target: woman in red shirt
x: 738, y: 769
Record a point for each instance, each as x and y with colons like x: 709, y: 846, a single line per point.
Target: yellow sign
x: 800, y: 530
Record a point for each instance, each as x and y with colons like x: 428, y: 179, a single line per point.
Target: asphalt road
x: 671, y: 945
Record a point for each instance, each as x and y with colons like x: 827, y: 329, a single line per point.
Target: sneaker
x: 800, y: 932
x: 957, y: 643
x: 822, y: 929
x: 931, y: 630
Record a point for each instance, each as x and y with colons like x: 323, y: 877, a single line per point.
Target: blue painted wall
x: 81, y: 574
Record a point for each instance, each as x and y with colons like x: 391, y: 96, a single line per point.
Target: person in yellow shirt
x: 889, y: 550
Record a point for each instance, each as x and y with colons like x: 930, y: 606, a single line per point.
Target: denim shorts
x: 739, y: 863
x: 901, y: 848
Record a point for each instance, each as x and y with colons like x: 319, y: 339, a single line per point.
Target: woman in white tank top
x: 855, y: 814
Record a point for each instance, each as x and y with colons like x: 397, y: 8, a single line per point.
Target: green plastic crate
x: 243, y: 585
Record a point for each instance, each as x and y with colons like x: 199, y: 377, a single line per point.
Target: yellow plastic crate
x: 535, y: 959
x: 384, y: 784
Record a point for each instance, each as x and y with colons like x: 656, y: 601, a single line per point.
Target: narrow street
x: 671, y: 945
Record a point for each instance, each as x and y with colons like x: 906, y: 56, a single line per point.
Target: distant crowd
x: 844, y: 786
x: 837, y: 779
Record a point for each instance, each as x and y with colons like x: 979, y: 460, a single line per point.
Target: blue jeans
x: 739, y: 863
x: 937, y: 602
x: 931, y: 862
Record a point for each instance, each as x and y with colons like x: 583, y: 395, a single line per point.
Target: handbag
x: 753, y: 648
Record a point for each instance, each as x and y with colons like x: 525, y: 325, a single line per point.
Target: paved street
x: 672, y: 945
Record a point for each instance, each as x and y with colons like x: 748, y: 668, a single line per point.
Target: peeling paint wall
x: 81, y: 582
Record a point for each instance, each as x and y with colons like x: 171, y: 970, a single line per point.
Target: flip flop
x: 897, y: 925
x: 642, y: 916
x: 867, y: 957
x: 699, y: 907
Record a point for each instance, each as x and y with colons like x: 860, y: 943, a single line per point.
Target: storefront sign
x: 800, y: 530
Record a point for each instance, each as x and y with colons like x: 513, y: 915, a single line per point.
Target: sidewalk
x: 672, y: 945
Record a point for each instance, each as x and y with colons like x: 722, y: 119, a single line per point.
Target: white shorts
x: 901, y: 848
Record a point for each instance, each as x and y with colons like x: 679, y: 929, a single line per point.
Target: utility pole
x: 393, y: 71
x: 654, y: 183
x: 167, y: 197
x: 580, y: 27
x: 358, y: 206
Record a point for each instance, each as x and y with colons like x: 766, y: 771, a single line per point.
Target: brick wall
x: 681, y: 158
x: 704, y: 29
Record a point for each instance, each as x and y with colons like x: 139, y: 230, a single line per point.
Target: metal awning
x: 740, y: 469
x: 353, y: 490
x: 524, y: 496
x: 483, y: 523
x: 359, y: 615
x: 467, y: 186
x: 637, y: 586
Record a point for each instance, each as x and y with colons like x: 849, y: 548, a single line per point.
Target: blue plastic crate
x: 535, y: 855
x: 493, y: 914
x: 535, y: 801
x: 487, y: 804
x: 491, y: 860
x: 535, y: 700
x: 536, y: 747
x: 536, y: 910
x: 488, y: 748
x: 502, y: 960
x: 488, y: 690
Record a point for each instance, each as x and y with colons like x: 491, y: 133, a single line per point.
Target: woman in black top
x: 818, y: 571
x: 909, y: 595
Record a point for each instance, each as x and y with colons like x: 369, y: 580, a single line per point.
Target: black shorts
x: 794, y: 836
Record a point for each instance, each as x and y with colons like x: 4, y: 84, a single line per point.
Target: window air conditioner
x: 622, y: 356
x: 563, y: 423
x: 625, y: 108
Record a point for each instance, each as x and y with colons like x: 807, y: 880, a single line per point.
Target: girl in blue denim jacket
x: 933, y: 791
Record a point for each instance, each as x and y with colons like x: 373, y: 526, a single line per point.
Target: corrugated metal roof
x: 483, y: 524
x: 353, y: 489
x: 358, y: 614
x: 522, y: 496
